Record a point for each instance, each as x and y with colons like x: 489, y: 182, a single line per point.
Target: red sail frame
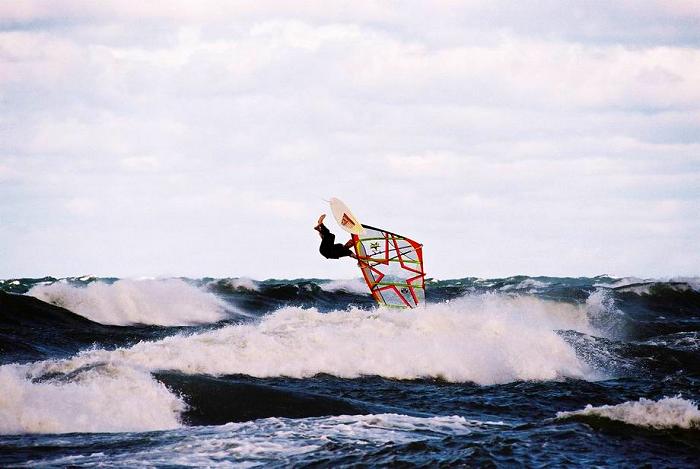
x: 410, y: 260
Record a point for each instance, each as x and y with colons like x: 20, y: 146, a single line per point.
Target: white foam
x: 242, y: 283
x: 527, y: 284
x: 689, y: 341
x: 643, y: 286
x: 99, y: 399
x: 693, y: 282
x: 603, y: 314
x: 356, y: 285
x: 623, y: 282
x: 532, y: 283
x: 669, y: 412
x: 169, y: 302
x: 271, y: 440
x: 485, y: 339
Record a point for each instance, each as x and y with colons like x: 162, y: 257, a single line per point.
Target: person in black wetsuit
x: 329, y: 249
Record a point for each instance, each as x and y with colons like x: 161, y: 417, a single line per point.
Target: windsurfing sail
x: 392, y: 266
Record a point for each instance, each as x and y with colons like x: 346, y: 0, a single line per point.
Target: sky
x: 204, y: 138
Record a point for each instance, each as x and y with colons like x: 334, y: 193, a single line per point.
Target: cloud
x: 508, y: 138
x: 81, y: 206
x: 140, y: 163
x: 420, y: 166
x: 7, y: 173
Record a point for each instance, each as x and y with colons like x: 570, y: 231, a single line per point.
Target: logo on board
x: 347, y: 221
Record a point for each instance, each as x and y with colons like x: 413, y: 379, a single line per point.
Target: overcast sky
x: 201, y: 138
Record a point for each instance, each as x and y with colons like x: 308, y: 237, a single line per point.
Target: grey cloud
x: 509, y: 139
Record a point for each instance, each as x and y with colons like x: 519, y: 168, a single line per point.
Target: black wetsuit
x: 330, y: 250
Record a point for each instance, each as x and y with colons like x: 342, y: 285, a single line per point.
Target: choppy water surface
x: 514, y: 371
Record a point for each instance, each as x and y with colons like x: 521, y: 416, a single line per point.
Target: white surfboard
x: 345, y: 218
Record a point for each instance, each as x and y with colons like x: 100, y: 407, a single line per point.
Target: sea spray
x: 482, y: 337
x: 669, y: 412
x: 357, y: 286
x: 604, y: 315
x: 240, y: 283
x: 101, y: 398
x: 168, y: 302
x: 485, y: 339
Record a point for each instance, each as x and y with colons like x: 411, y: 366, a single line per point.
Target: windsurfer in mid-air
x: 329, y: 249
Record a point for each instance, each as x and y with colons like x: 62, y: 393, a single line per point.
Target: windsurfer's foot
x: 320, y: 220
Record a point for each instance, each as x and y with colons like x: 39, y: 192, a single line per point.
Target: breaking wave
x: 485, y: 339
x: 642, y: 286
x: 666, y: 413
x: 96, y: 399
x: 240, y: 283
x: 356, y: 286
x: 169, y: 302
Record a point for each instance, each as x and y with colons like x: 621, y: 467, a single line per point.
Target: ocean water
x: 517, y: 371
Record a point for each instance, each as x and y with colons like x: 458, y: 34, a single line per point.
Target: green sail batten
x: 398, y: 263
x: 382, y: 261
x: 387, y: 284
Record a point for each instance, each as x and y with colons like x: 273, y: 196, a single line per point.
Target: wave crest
x: 102, y: 398
x: 486, y: 339
x: 669, y: 412
x: 169, y: 302
x: 356, y: 286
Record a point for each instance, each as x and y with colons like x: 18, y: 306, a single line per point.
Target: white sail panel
x: 392, y: 266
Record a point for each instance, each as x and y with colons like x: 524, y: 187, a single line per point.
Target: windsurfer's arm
x: 348, y: 245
